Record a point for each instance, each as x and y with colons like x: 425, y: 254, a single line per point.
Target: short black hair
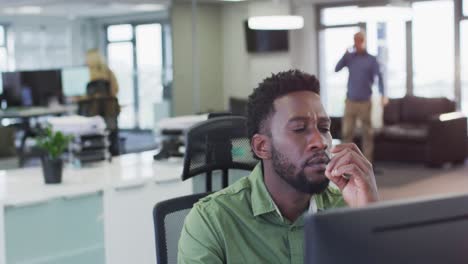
x: 260, y: 104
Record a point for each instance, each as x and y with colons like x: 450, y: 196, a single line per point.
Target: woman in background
x: 101, y: 96
x: 98, y: 70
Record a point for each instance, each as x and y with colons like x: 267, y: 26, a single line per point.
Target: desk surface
x: 26, y: 186
x: 35, y: 111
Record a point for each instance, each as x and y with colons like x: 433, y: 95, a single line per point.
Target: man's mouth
x: 317, y: 166
x: 318, y: 162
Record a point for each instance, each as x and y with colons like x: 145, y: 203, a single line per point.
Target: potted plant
x: 53, y: 144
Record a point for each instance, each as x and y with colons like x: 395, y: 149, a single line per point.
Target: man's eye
x: 299, y: 129
x: 324, y: 129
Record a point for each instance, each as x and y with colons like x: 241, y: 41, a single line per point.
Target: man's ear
x: 261, y: 146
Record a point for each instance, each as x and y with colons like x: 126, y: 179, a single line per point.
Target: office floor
x: 400, y: 181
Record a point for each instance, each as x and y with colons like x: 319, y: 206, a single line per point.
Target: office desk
x: 99, y: 214
x: 26, y: 113
x: 36, y: 111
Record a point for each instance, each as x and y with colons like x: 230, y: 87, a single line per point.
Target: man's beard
x: 287, y: 171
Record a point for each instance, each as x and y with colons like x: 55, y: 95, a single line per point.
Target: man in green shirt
x: 260, y: 218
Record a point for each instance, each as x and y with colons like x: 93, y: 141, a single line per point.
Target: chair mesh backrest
x: 218, y: 144
x: 98, y: 87
x: 169, y: 217
x: 173, y: 224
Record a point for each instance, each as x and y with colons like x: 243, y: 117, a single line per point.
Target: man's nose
x: 316, y: 141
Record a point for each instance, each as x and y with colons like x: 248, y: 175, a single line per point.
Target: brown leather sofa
x: 418, y: 129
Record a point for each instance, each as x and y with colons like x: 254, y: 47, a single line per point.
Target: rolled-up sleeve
x: 342, y: 62
x: 199, y: 241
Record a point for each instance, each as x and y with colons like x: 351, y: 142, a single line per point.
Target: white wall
x: 303, y: 43
x: 209, y: 63
x: 243, y: 71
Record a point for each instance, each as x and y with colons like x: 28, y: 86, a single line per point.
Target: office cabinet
x: 161, y: 191
x: 67, y: 229
x: 129, y: 219
x: 128, y: 225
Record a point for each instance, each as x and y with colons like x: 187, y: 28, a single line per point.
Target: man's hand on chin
x: 353, y: 174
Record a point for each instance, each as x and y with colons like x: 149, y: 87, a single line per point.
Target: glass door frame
x: 165, y: 25
x: 321, y: 71
x: 5, y: 28
x: 458, y: 15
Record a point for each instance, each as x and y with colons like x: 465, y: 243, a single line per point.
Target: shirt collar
x: 261, y: 200
x: 364, y: 53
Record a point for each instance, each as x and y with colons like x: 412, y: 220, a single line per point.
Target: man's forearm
x: 341, y: 63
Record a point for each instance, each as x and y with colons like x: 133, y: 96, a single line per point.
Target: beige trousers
x: 354, y: 111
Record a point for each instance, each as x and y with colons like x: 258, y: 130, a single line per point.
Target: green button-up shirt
x: 240, y: 224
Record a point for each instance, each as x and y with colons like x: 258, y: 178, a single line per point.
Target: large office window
x: 3, y: 49
x: 430, y: 48
x: 464, y: 64
x: 386, y: 38
x: 120, y: 56
x: 135, y: 53
x: 336, y: 41
x: 465, y: 7
x: 433, y: 48
x: 392, y: 49
x: 150, y: 70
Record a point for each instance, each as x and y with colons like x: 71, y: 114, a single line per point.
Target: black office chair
x: 98, y: 87
x: 168, y: 218
x: 109, y: 109
x: 217, y: 144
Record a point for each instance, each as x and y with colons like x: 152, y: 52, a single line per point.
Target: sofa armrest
x: 447, y: 138
x: 445, y: 117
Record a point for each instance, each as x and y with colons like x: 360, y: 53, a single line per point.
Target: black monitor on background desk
x: 425, y: 231
x: 12, y: 88
x: 1, y: 85
x: 32, y: 88
x: 45, y: 85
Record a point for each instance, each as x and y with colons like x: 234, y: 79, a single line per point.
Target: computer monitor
x: 12, y: 88
x: 238, y: 106
x: 419, y: 231
x: 32, y: 88
x: 1, y: 84
x: 45, y: 86
x: 74, y: 81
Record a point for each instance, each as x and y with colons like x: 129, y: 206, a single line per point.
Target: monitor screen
x: 74, y: 81
x: 11, y: 88
x: 266, y: 40
x: 1, y: 83
x: 419, y: 231
x: 32, y: 88
x: 45, y: 86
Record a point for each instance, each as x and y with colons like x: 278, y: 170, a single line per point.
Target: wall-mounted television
x: 266, y: 40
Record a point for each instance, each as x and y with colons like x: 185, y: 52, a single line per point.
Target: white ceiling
x: 79, y: 8
x: 96, y: 8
